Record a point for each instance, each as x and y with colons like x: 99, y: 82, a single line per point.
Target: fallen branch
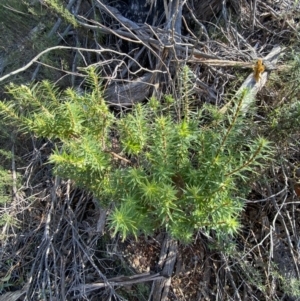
x: 119, y: 281
x: 167, y: 261
x: 251, y: 85
x: 14, y: 296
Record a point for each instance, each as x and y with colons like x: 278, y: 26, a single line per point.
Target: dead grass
x: 53, y: 245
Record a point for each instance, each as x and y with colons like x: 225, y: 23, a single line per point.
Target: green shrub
x: 155, y: 168
x: 8, y: 180
x: 284, y: 118
x: 5, y: 186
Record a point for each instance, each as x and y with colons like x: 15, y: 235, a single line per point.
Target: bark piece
x: 128, y: 94
x: 251, y: 84
x: 166, y: 262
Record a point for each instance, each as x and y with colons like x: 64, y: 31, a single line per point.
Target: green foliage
x: 58, y: 7
x: 284, y: 120
x: 5, y: 173
x: 155, y: 168
x: 6, y: 179
x: 291, y: 286
x: 5, y: 186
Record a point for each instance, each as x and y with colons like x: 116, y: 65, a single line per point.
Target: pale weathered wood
x: 13, y: 296
x: 251, y: 85
x: 129, y: 93
x: 167, y: 259
x: 118, y: 281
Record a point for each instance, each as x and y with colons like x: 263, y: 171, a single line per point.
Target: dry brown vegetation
x: 54, y: 242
